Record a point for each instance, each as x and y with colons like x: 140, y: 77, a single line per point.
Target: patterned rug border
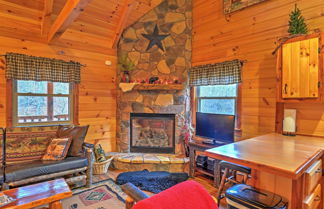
x: 96, y: 186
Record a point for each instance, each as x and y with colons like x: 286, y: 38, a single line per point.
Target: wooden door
x: 300, y: 69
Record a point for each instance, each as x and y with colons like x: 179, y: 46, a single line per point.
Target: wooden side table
x: 201, y: 147
x: 50, y: 192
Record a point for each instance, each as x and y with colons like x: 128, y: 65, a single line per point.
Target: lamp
x: 289, y: 122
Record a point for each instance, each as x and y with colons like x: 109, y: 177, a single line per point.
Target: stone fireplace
x: 152, y: 133
x: 172, y: 18
x: 136, y: 105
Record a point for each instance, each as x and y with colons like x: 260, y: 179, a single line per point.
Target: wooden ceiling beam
x: 129, y: 5
x: 46, y: 17
x: 71, y: 10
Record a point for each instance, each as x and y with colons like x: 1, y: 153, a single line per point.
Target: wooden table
x: 195, y: 146
x: 50, y: 192
x: 278, y: 162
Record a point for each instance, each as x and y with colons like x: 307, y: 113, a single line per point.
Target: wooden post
x: 129, y: 203
x: 129, y: 4
x: 89, y: 155
x: 46, y: 18
x: 192, y: 161
x: 55, y: 205
x: 279, y: 117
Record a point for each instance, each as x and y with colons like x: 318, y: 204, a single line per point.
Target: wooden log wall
x: 97, y: 91
x: 88, y: 40
x: 251, y: 34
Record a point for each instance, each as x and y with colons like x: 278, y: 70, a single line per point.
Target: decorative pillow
x: 57, y: 149
x: 78, y: 134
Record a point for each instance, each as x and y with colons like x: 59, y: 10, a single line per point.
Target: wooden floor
x: 202, y: 179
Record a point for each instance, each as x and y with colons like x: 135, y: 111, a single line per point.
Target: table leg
x: 129, y: 203
x: 254, y: 177
x: 55, y: 205
x: 217, y: 173
x: 192, y: 162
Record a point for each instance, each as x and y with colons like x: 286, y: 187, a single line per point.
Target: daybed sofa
x: 24, y: 150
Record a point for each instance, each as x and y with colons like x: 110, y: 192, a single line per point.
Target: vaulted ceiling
x: 95, y: 24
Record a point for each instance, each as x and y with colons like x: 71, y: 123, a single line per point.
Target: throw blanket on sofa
x: 28, y: 143
x: 154, y: 182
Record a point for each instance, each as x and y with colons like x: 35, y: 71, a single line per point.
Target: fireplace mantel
x: 150, y: 87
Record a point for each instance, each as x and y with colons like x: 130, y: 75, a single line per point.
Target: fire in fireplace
x: 152, y: 133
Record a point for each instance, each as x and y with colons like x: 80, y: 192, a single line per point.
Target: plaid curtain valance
x: 224, y: 73
x: 24, y: 67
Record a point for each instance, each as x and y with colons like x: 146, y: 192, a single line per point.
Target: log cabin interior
x: 160, y: 104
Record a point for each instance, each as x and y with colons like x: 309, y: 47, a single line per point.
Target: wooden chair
x: 186, y: 195
x: 231, y: 171
x: 134, y: 194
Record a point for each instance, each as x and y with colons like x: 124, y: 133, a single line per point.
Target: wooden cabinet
x: 313, y: 176
x: 313, y: 194
x: 299, y: 68
x: 313, y: 201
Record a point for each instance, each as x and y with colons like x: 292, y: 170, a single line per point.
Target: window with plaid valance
x: 224, y: 73
x: 24, y: 67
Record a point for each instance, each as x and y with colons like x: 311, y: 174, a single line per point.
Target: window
x: 42, y: 102
x: 219, y: 99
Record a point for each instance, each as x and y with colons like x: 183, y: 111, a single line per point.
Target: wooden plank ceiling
x: 95, y: 24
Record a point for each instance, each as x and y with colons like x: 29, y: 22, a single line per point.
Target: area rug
x: 102, y: 195
x: 155, y: 182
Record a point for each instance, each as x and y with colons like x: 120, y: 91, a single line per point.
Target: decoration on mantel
x: 127, y: 87
x: 125, y: 65
x: 152, y: 83
x: 152, y: 80
x: 297, y: 23
x: 157, y: 80
x: 155, y: 39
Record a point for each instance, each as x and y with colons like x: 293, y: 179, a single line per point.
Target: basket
x: 102, y: 167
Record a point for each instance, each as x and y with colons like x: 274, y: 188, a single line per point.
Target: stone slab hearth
x: 151, y: 162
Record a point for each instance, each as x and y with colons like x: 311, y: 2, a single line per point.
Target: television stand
x: 213, y: 142
x: 198, y: 145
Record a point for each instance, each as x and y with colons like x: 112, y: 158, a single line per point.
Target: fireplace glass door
x: 152, y: 133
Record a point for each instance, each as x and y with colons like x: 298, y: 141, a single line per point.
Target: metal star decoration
x: 155, y: 39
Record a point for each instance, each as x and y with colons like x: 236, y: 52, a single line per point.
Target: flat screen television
x: 219, y: 128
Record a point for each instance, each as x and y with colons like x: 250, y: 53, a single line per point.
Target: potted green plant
x: 297, y: 25
x: 125, y: 65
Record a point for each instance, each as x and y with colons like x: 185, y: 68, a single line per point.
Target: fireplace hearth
x: 152, y: 133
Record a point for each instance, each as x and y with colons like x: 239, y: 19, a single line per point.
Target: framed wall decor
x: 234, y: 5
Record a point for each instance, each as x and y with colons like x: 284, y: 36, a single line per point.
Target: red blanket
x: 186, y: 195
